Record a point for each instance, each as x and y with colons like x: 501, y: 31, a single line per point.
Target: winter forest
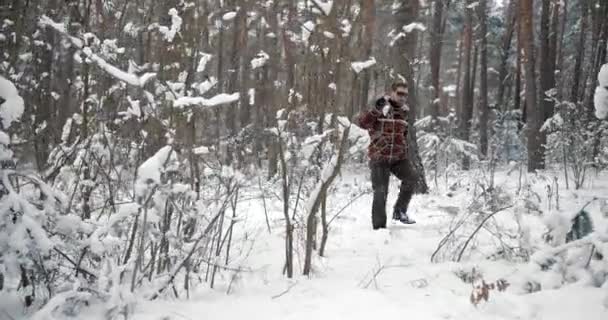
x: 205, y: 159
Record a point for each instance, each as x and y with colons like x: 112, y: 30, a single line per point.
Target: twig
x: 286, y: 291
x: 479, y: 228
x: 264, y: 202
x: 447, y: 237
x: 590, y: 256
x: 346, y: 206
x: 382, y: 268
x: 75, y: 264
x: 189, y: 256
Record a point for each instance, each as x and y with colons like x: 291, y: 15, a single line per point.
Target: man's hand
x: 405, y: 108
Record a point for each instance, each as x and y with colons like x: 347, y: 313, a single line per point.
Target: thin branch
x: 479, y: 228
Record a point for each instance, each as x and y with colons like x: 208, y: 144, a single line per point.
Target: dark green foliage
x: 581, y: 226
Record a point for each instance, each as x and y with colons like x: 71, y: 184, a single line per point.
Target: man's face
x: 399, y: 95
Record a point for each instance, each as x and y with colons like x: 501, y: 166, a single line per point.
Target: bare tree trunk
x: 458, y: 75
x: 404, y: 51
x: 547, y: 71
x: 324, y: 225
x: 483, y: 79
x: 369, y: 24
x: 466, y: 114
x: 504, y: 54
x: 517, y: 97
x: 318, y: 199
x: 535, y: 114
x: 559, y: 52
x: 288, y: 225
x: 435, y: 57
x: 580, y: 53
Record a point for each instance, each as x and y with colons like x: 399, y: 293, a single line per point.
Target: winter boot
x: 401, y: 216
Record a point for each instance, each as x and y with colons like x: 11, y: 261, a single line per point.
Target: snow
x: 601, y: 94
x: 346, y: 27
x: 206, y: 85
x: 473, y: 5
x: 201, y: 150
x: 414, y: 26
x: 12, y: 108
x: 202, y: 64
x: 324, y: 5
x: 228, y: 16
x: 132, y: 79
x: 176, y: 25
x: 260, y: 60
x: 307, y: 28
x: 150, y: 171
x: 383, y: 274
x: 359, y: 66
x: 329, y: 35
x: 217, y: 100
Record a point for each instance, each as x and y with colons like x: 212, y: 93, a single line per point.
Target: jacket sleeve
x: 368, y: 119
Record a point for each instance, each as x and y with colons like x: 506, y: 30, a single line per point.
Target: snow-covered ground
x: 369, y: 274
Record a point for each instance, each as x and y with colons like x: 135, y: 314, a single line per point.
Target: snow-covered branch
x: 11, y: 105
x: 132, y: 79
x: 217, y: 100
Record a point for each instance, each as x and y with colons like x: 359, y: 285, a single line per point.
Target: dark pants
x: 381, y: 172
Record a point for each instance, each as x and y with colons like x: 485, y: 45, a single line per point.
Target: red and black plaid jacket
x: 388, y: 133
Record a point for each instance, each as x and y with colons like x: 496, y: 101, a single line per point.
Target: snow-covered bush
x: 441, y: 151
x: 575, y: 142
x: 30, y: 219
x: 309, y: 162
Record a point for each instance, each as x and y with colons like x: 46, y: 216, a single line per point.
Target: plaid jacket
x: 388, y: 133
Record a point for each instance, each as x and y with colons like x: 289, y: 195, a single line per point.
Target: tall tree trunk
x: 504, y: 54
x: 517, y: 96
x: 580, y: 53
x: 547, y: 73
x: 435, y: 57
x: 535, y: 114
x: 467, y: 98
x: 598, y: 54
x: 560, y: 80
x: 483, y: 78
x: 404, y: 51
x: 369, y: 25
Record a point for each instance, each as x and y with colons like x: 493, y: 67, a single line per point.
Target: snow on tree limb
x: 359, y: 66
x: 414, y: 26
x: 217, y: 100
x: 11, y: 105
x: 323, y: 6
x: 129, y: 78
x: 132, y: 79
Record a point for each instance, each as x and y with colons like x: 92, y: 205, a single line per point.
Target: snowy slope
x: 408, y: 285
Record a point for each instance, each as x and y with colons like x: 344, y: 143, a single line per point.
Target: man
x: 388, y: 153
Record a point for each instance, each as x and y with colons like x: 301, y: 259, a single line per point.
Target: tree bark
x: 464, y: 125
x: 507, y: 38
x: 547, y: 71
x: 435, y: 57
x: 535, y: 114
x: 369, y: 24
x: 483, y: 78
x: 404, y: 51
x: 580, y: 53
